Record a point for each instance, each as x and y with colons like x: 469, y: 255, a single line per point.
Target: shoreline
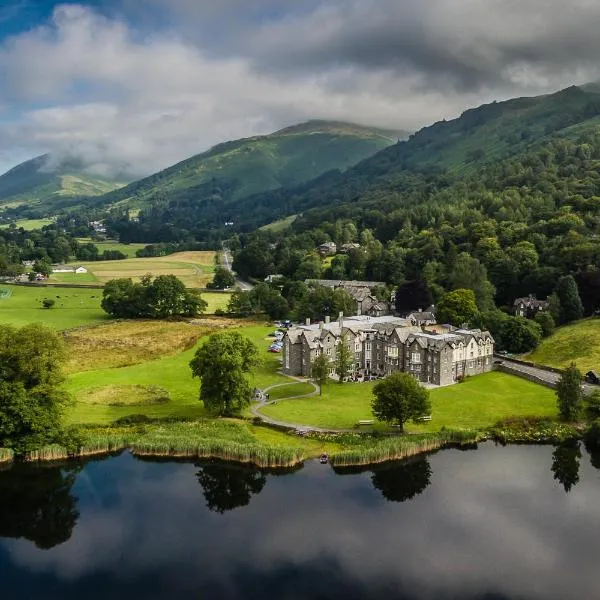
x: 353, y: 450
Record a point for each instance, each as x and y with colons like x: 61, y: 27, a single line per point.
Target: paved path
x: 545, y: 377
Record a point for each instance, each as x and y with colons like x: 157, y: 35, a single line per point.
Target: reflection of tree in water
x: 565, y: 464
x: 403, y: 481
x: 226, y: 487
x: 594, y: 452
x: 37, y: 504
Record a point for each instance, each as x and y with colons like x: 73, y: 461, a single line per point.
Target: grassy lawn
x: 479, y: 402
x: 578, y: 343
x: 74, y: 306
x: 278, y: 226
x: 171, y: 373
x: 293, y: 389
x: 215, y: 300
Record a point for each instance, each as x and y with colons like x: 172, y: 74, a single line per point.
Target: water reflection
x: 227, y: 486
x: 402, y: 482
x: 37, y: 504
x: 565, y: 464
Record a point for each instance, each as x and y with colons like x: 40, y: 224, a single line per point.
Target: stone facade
x: 383, y: 345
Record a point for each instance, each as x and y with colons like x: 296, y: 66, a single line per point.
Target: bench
x: 366, y: 422
x: 425, y: 418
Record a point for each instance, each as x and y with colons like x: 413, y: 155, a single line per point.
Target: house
x: 80, y: 269
x: 360, y: 291
x: 327, y: 249
x: 62, y: 269
x: 592, y: 377
x: 345, y: 248
x: 383, y: 345
x: 422, y: 317
x: 272, y: 278
x: 529, y: 306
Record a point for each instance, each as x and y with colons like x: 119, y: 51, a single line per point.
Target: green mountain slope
x: 38, y: 182
x: 239, y: 168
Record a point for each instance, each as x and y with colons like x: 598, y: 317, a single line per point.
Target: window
x: 328, y: 351
x: 471, y: 364
x: 417, y: 368
x: 368, y: 346
x: 416, y: 357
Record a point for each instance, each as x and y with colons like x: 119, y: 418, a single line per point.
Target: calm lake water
x: 494, y: 523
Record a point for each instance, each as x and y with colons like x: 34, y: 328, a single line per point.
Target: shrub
x: 48, y: 303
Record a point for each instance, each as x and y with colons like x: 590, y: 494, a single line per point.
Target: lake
x: 496, y: 523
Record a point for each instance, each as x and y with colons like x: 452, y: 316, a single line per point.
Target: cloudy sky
x: 136, y: 85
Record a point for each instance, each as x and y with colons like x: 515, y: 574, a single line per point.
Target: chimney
x: 308, y: 320
x: 321, y: 325
x: 327, y: 319
x: 420, y: 310
x: 341, y: 319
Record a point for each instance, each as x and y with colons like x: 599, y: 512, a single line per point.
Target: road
x: 549, y: 378
x: 227, y: 260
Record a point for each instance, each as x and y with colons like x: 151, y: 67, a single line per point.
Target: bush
x: 48, y: 303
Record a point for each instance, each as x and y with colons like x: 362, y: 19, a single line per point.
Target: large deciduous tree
x: 222, y: 279
x: 31, y: 399
x: 222, y: 364
x: 344, y: 359
x: 398, y: 398
x: 457, y: 307
x: 569, y: 393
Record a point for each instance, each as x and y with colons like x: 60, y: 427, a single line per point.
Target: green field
x: 171, y: 373
x: 280, y: 225
x: 578, y: 343
x: 195, y: 269
x: 478, y: 403
x: 30, y: 224
x: 74, y: 278
x: 128, y: 249
x: 74, y: 306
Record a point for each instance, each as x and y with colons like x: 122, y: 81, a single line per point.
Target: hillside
x: 40, y: 184
x: 240, y: 168
x: 578, y: 342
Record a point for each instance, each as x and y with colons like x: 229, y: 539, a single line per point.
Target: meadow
x: 170, y: 372
x: 578, y: 343
x: 30, y: 224
x: 478, y: 403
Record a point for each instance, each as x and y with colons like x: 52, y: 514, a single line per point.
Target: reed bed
x: 372, y: 451
x: 6, y: 456
x: 51, y: 452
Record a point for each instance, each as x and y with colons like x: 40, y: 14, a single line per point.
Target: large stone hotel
x: 382, y: 345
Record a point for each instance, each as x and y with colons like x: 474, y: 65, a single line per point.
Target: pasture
x: 128, y: 249
x: 195, y: 269
x: 20, y: 305
x: 30, y: 224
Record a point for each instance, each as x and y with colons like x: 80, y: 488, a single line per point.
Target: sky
x: 133, y: 86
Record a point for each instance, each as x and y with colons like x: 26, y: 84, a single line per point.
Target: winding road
x: 226, y: 261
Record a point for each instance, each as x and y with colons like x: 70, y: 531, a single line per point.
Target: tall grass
x: 6, y: 455
x: 371, y: 450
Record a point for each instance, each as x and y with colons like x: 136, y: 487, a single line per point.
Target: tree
x: 569, y: 393
x: 319, y: 371
x: 165, y: 296
x: 546, y: 322
x: 221, y: 364
x: 31, y: 400
x: 413, y: 295
x: 223, y: 278
x: 469, y: 273
x: 398, y: 398
x: 48, y: 302
x: 457, y: 307
x: 42, y: 266
x: 520, y: 335
x: 344, y: 359
x: 571, y: 308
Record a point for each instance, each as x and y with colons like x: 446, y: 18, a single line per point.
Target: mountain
x: 479, y: 137
x: 240, y: 168
x: 44, y: 183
